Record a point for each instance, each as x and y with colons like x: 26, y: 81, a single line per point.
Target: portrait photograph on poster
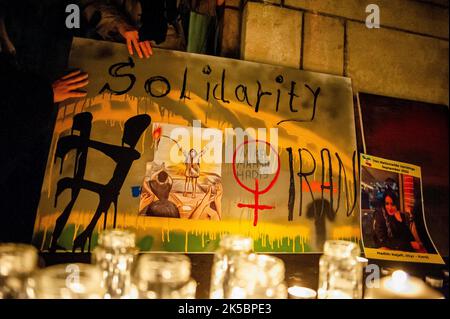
x: 416, y: 133
x: 392, y: 213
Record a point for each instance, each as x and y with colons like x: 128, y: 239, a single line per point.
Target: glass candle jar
x: 257, y: 277
x: 115, y: 255
x: 300, y: 286
x: 298, y: 292
x: 400, y: 285
x: 67, y: 281
x: 17, y: 262
x: 340, y: 272
x: 230, y: 248
x: 164, y: 276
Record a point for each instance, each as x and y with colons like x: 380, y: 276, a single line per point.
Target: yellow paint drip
x: 269, y: 233
x: 198, y: 107
x: 346, y: 232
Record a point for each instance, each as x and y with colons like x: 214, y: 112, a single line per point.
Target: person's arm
x: 110, y: 22
x: 5, y: 43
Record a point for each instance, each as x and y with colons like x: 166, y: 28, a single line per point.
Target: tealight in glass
x: 67, y: 281
x: 164, y: 276
x: 400, y: 285
x: 115, y: 255
x: 257, y: 277
x: 340, y: 271
x: 230, y: 248
x: 17, y: 262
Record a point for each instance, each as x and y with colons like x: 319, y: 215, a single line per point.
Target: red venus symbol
x: 256, y: 192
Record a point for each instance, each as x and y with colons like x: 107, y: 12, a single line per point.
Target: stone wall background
x: 406, y: 58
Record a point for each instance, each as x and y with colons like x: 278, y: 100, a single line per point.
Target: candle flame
x: 399, y: 281
x: 399, y: 277
x: 302, y: 292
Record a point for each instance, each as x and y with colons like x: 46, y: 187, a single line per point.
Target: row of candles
x: 118, y: 271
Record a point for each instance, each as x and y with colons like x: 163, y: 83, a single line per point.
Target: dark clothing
x: 156, y: 15
x: 27, y: 115
x: 105, y: 17
x: 42, y: 45
x: 204, y: 7
x: 391, y: 233
x: 202, y: 24
x: 161, y: 190
x: 38, y: 33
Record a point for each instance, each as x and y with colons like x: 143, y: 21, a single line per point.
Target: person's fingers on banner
x: 75, y: 79
x: 148, y: 46
x: 67, y: 86
x: 78, y: 94
x: 132, y: 39
x: 147, y: 43
x: 78, y: 85
x: 131, y: 35
x: 73, y: 73
x: 130, y: 47
x: 61, y: 95
x: 145, y: 49
x: 137, y: 47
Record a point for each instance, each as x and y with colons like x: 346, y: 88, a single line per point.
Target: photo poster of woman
x: 393, y: 223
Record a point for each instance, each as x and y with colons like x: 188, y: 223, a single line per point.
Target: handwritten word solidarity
x: 158, y: 86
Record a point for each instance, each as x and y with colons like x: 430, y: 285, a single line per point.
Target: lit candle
x: 297, y: 292
x: 402, y: 286
x: 399, y: 282
x: 364, y: 261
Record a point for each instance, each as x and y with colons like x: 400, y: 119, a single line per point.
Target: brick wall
x: 406, y: 58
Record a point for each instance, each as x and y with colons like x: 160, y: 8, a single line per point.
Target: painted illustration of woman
x: 191, y: 160
x: 155, y: 196
x: 158, y: 199
x: 192, y: 171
